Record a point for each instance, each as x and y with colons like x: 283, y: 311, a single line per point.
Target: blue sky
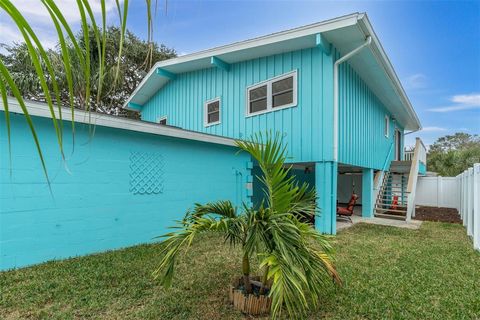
x: 433, y: 45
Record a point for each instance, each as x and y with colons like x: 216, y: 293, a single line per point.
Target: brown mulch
x: 437, y: 214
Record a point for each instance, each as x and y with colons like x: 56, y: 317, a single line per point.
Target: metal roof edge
x: 379, y: 52
x: 80, y: 116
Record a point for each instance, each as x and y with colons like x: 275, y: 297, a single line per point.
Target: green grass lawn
x: 388, y: 273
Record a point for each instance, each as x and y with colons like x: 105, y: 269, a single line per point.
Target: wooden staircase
x: 396, y: 195
x: 394, y: 187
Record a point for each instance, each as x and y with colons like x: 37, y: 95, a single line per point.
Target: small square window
x: 386, y: 131
x: 162, y: 121
x: 212, y: 112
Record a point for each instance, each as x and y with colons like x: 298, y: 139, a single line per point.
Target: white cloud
x: 461, y: 102
x: 416, y: 81
x: 39, y: 19
x: 433, y: 129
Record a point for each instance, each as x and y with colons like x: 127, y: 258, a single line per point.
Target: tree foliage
x: 295, y: 257
x: 137, y: 58
x: 452, y: 154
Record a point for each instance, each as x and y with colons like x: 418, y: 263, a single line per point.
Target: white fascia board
x: 384, y: 61
x: 307, y: 30
x: 41, y: 110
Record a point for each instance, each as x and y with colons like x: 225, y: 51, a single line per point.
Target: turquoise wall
x: 307, y: 128
x: 422, y: 168
x: 94, y: 206
x: 362, y: 141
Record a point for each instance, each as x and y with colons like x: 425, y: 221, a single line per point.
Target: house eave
x: 343, y: 33
x: 41, y: 110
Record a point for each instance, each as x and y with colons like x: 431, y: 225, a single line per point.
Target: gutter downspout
x: 367, y: 42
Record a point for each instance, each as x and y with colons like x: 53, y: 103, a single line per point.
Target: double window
x: 212, y: 112
x: 273, y: 94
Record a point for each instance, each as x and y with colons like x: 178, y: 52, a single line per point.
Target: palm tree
x: 72, y: 53
x: 295, y: 258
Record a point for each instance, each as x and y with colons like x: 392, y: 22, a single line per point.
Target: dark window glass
x: 213, y: 117
x: 282, y: 99
x: 213, y: 112
x: 282, y: 92
x: 258, y: 93
x: 282, y: 85
x: 258, y: 105
x: 163, y: 121
x: 214, y: 106
x: 258, y: 99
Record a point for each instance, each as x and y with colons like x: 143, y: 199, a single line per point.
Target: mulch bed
x: 437, y: 214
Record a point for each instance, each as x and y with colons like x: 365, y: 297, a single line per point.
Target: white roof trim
x: 383, y: 60
x: 41, y: 110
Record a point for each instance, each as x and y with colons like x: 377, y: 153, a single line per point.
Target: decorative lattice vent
x: 146, y: 173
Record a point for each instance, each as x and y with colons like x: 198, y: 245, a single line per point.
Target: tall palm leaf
x: 44, y: 67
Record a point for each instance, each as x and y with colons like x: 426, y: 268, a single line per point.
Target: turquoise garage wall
x: 118, y: 189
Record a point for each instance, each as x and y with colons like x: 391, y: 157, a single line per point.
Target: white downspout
x: 368, y: 40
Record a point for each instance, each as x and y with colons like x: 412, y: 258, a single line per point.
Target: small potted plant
x: 295, y: 258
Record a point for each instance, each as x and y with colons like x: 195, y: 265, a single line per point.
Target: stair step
x: 390, y: 216
x: 389, y: 203
x: 390, y: 210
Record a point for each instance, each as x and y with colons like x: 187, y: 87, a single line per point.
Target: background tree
x: 137, y: 58
x: 452, y: 154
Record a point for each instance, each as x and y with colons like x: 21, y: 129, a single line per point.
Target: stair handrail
x: 380, y: 175
x: 420, y: 152
x: 385, y: 163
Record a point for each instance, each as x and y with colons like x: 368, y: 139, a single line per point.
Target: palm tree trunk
x: 246, y: 274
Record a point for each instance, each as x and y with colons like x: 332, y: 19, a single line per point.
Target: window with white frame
x: 162, y: 120
x: 212, y: 112
x: 276, y: 93
x: 386, y: 129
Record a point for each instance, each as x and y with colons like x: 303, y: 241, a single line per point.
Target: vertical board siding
x: 91, y: 207
x: 306, y: 128
x: 361, y: 123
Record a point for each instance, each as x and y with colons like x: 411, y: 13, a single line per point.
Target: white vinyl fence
x: 461, y: 192
x: 469, y: 196
x: 439, y: 192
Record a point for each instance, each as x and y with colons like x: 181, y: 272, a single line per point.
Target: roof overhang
x: 41, y: 110
x: 344, y: 33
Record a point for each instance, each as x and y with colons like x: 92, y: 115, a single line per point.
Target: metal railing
x: 408, y: 155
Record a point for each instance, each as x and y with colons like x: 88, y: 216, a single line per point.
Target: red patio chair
x: 394, y: 205
x: 347, y: 212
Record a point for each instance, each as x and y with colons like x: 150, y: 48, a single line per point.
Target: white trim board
x: 41, y: 110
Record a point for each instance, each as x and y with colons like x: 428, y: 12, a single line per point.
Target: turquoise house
x: 328, y: 87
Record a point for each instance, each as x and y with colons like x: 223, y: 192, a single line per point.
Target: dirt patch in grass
x: 437, y: 214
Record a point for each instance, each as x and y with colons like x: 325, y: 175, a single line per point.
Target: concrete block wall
x: 101, y: 197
